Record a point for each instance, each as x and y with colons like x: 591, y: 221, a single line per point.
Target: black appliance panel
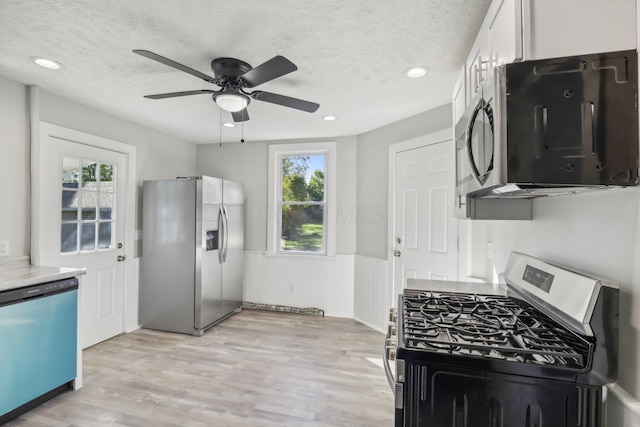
x: 439, y: 395
x: 573, y: 120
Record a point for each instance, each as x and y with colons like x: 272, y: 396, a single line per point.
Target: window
x: 301, y: 198
x: 302, y: 204
x: 87, y: 205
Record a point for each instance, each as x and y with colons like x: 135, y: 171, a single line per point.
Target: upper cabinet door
x: 505, y: 33
x: 459, y: 100
x: 576, y: 27
x: 477, y: 65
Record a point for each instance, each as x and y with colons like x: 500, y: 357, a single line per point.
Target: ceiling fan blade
x: 285, y: 101
x: 240, y: 116
x: 175, y: 94
x: 275, y: 67
x: 175, y: 65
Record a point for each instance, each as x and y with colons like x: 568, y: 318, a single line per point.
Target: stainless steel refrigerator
x: 192, y: 253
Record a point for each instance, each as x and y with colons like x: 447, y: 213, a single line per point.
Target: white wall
x: 247, y: 163
x: 598, y: 233
x: 372, y: 289
x: 373, y: 173
x: 15, y: 206
x: 324, y: 282
x: 159, y: 156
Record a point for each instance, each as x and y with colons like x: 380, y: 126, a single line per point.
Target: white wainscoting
x: 304, y: 281
x: 372, y: 292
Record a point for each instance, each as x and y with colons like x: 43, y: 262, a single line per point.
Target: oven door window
x: 480, y: 143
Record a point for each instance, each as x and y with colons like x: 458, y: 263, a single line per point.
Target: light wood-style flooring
x: 256, y: 368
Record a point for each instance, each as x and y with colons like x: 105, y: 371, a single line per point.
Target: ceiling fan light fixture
x: 232, y: 102
x: 229, y: 125
x: 329, y: 118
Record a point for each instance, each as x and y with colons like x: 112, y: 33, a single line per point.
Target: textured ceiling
x: 350, y: 56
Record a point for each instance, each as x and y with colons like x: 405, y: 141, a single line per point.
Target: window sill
x: 298, y: 255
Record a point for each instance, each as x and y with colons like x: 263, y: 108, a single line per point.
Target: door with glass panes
x: 82, y: 210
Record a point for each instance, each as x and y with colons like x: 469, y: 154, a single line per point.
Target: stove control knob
x: 392, y: 329
x: 391, y: 353
x: 393, y: 315
x: 391, y: 343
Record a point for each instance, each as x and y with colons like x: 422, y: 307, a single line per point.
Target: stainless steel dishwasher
x: 38, y: 344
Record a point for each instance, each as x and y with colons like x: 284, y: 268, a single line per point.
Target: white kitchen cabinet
x: 553, y: 28
x: 477, y: 65
x: 505, y: 33
x: 521, y: 30
x: 459, y: 103
x: 539, y: 29
x: 459, y: 100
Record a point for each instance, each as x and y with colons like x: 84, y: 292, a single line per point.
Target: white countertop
x: 18, y: 272
x: 451, y: 286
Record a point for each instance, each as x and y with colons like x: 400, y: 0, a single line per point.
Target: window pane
x: 89, y: 176
x: 106, y: 205
x: 315, y: 182
x: 69, y: 205
x: 69, y: 238
x: 302, y: 178
x: 106, y: 178
x: 89, y: 205
x: 88, y: 237
x: 294, y: 188
x: 104, y: 235
x: 302, y: 228
x: 70, y: 172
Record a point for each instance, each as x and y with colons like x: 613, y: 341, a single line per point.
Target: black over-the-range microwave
x: 547, y: 127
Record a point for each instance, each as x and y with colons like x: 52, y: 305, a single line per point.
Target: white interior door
x: 424, y: 229
x: 81, y: 224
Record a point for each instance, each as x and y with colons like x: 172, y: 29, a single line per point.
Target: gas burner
x: 487, y: 326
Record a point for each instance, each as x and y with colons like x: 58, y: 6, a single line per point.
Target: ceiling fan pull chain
x: 220, y: 125
x: 242, y: 137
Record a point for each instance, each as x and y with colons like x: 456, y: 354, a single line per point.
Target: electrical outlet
x: 490, y: 250
x: 4, y: 248
x: 291, y: 287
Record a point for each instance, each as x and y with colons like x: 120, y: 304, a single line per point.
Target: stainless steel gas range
x: 534, y: 352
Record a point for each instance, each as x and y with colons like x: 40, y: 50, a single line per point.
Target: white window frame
x: 276, y: 152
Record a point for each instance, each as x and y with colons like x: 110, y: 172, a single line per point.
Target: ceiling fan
x: 233, y: 76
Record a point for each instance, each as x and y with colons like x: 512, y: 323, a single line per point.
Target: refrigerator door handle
x: 226, y: 233
x: 221, y: 230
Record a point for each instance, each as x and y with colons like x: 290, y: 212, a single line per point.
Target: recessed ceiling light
x: 228, y: 125
x: 329, y: 118
x: 46, y: 63
x: 416, y: 72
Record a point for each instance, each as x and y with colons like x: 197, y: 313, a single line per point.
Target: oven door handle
x: 387, y: 367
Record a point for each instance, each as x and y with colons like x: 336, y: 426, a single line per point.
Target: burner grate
x: 487, y: 326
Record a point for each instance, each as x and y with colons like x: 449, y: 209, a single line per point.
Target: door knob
x: 121, y: 258
x: 397, y: 253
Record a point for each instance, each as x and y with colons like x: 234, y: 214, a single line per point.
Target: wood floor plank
x: 256, y: 368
